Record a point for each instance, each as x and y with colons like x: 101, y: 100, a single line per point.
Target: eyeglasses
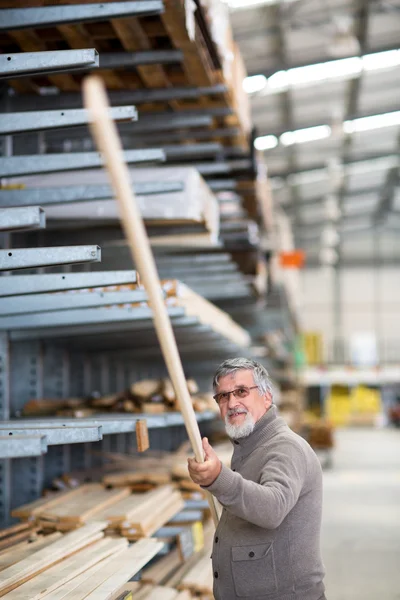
x: 240, y: 392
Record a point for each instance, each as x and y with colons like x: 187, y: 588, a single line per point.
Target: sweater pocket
x: 253, y: 570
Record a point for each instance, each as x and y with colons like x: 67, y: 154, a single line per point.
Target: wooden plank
x: 17, y: 574
x: 89, y: 499
x: 19, y: 537
x: 150, y: 503
x: 133, y: 38
x: 9, y: 531
x: 44, y: 583
x: 32, y: 509
x: 163, y: 568
x: 75, y: 588
x: 159, y: 593
x: 25, y: 549
x: 127, y: 591
x: 157, y: 519
x: 142, y: 435
x: 175, y: 23
x: 118, y: 571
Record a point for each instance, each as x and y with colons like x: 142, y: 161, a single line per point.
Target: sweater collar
x: 264, y: 430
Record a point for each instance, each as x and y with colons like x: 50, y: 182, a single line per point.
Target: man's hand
x: 207, y: 472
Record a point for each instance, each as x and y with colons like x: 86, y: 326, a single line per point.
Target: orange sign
x: 294, y: 259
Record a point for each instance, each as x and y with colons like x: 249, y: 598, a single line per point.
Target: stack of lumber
x: 131, y: 515
x: 149, y: 396
x: 193, y: 575
x: 11, y: 536
x: 160, y: 469
x: 195, y: 62
x: 80, y: 564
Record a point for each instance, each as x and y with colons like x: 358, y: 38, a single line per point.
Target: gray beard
x: 240, y: 431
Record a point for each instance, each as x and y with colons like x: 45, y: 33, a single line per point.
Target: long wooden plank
x: 31, y: 509
x: 62, y: 572
x: 108, y: 142
x: 71, y: 542
x: 125, y: 567
x: 14, y: 529
x: 17, y: 538
x: 163, y: 568
x: 151, y: 502
x: 92, y: 498
x: 25, y: 549
x: 157, y: 521
x: 159, y: 593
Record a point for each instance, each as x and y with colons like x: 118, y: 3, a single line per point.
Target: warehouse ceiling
x: 325, y: 94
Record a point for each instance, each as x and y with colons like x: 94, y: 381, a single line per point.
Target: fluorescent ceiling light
x: 344, y: 68
x: 266, y: 142
x: 373, y: 122
x: 301, y: 136
x: 242, y: 4
x: 254, y: 84
x: 381, y: 60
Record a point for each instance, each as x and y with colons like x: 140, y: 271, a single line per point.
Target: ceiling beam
x: 317, y: 200
x: 349, y: 160
x: 305, y: 124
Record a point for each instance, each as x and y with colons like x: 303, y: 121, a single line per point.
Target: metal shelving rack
x: 57, y: 344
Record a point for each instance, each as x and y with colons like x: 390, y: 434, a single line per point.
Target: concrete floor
x: 361, y: 524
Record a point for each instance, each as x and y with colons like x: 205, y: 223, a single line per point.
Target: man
x: 267, y: 544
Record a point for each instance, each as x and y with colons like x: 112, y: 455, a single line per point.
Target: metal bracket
x: 60, y: 282
x: 28, y: 258
x: 18, y: 446
x: 34, y: 303
x: 28, y: 64
x: 17, y: 219
x: 44, y: 16
x: 19, y: 122
x: 14, y: 166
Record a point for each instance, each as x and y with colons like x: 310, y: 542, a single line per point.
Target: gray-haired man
x: 267, y: 544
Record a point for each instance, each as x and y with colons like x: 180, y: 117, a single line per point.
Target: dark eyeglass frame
x: 235, y: 393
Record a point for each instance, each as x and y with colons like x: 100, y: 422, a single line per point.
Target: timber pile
x: 147, y: 396
x: 194, y: 575
x: 78, y: 565
x: 131, y: 515
x: 197, y: 62
x: 158, y: 469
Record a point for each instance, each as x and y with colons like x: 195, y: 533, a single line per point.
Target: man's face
x: 235, y: 410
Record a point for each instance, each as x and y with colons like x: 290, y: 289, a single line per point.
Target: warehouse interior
x: 262, y: 140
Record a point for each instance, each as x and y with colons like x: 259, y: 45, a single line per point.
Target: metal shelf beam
x: 29, y: 258
x: 117, y: 97
x: 175, y: 121
x: 29, y: 64
x: 45, y: 16
x: 71, y: 333
x: 55, y: 435
x: 17, y: 446
x: 115, y: 423
x: 81, y: 317
x: 120, y: 60
x: 81, y: 193
x: 60, y: 282
x: 34, y: 303
x: 52, y: 163
x: 191, y: 150
x: 19, y: 122
x: 17, y: 219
